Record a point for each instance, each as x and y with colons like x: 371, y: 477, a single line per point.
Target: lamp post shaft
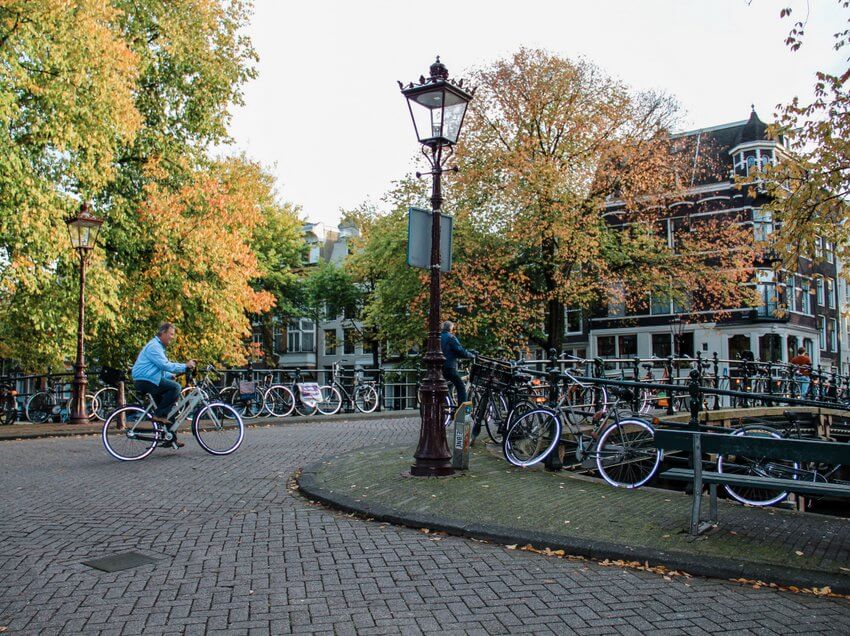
x: 433, y: 458
x: 80, y: 382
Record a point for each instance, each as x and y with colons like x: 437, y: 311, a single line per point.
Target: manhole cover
x: 117, y: 562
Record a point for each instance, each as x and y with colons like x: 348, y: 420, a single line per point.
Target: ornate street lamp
x: 83, y: 229
x: 437, y: 107
x: 677, y: 328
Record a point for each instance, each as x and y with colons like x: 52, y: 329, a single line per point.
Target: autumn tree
x: 810, y: 183
x: 120, y: 102
x: 548, y: 144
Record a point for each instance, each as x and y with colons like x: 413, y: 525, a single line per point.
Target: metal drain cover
x: 118, y: 562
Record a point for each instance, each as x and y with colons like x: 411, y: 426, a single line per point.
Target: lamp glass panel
x: 452, y: 120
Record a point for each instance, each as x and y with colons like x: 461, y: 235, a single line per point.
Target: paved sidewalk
x: 237, y: 553
x: 27, y: 430
x: 585, y: 516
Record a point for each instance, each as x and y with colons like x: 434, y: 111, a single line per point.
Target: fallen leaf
x: 798, y: 553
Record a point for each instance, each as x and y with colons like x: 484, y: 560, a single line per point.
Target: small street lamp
x: 677, y: 327
x: 437, y: 107
x: 83, y: 230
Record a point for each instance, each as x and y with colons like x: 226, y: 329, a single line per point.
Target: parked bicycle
x: 51, y: 402
x: 363, y: 396
x: 8, y: 404
x: 622, y: 450
x: 792, y: 428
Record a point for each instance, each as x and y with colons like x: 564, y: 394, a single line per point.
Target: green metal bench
x: 698, y: 443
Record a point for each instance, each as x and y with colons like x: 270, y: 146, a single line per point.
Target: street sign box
x: 419, y: 239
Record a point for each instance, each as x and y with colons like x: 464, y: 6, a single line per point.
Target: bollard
x: 695, y: 394
x: 462, y: 429
x: 715, y: 361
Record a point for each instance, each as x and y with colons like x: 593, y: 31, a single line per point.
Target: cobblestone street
x: 237, y: 552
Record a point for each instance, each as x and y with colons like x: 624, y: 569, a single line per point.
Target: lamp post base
x: 79, y: 385
x: 431, y: 468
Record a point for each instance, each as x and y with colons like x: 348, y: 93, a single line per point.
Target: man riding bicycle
x: 153, y: 374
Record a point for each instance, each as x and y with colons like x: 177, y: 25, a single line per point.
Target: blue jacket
x: 152, y: 364
x: 452, y: 350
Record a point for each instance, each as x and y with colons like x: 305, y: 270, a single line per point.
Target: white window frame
x: 567, y: 313
x: 833, y: 335
x: 830, y: 293
x: 820, y: 296
x: 822, y: 333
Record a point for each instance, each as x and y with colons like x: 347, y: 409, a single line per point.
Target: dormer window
x: 747, y: 161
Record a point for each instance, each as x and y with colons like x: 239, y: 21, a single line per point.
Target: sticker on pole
x: 419, y: 239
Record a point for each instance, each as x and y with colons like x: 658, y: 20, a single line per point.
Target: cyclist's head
x: 801, y: 351
x: 448, y: 326
x: 166, y: 333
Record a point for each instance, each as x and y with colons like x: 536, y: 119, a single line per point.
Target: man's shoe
x: 161, y: 420
x: 175, y: 444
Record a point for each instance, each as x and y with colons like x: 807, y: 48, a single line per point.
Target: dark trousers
x: 165, y: 394
x: 452, y: 376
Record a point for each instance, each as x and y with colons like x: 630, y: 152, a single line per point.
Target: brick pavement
x: 238, y: 553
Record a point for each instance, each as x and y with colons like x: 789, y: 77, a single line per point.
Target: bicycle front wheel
x: 219, y: 429
x: 129, y: 435
x: 331, y: 400
x: 39, y: 407
x: 532, y: 437
x: 626, y: 456
x: 757, y: 466
x: 279, y: 401
x: 365, y: 398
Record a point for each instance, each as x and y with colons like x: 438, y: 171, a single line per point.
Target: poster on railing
x: 310, y: 393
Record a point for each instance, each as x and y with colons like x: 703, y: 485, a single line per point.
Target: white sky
x: 326, y: 116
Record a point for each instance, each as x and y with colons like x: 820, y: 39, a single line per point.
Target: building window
x: 830, y: 293
x: 819, y: 287
x: 822, y: 332
x: 819, y: 247
x: 662, y: 345
x: 830, y: 252
x: 617, y: 301
x: 762, y: 224
x: 810, y: 347
x: 301, y: 336
x: 627, y: 346
x: 572, y: 321
x: 791, y: 293
x: 833, y: 335
x: 330, y: 342
x: 606, y: 347
x: 766, y: 287
x: 279, y: 335
x: 805, y: 298
x: 659, y: 303
x: 368, y: 346
x: 349, y: 338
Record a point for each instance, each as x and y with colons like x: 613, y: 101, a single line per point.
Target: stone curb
x: 8, y: 433
x: 697, y: 565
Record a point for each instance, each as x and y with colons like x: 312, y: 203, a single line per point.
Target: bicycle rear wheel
x: 532, y: 437
x: 106, y: 401
x: 626, y: 456
x: 129, y: 434
x: 218, y: 428
x: 279, y: 401
x: 331, y: 400
x: 494, y: 413
x: 365, y: 398
x: 757, y: 466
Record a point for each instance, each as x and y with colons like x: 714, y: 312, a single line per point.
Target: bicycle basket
x: 247, y: 390
x: 490, y: 372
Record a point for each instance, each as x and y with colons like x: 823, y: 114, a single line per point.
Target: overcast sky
x: 326, y: 116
